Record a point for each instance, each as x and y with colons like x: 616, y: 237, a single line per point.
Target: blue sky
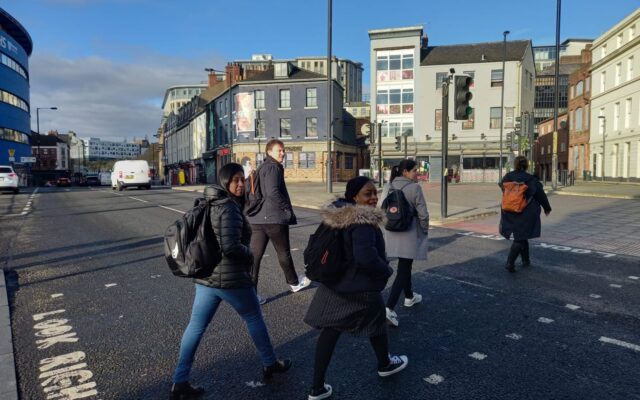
x: 106, y: 63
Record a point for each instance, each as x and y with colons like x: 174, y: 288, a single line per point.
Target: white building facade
x: 615, y: 102
x: 96, y: 149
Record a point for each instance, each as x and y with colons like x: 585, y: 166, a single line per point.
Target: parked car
x: 92, y: 180
x: 62, y: 181
x: 105, y: 178
x: 131, y: 173
x: 8, y: 179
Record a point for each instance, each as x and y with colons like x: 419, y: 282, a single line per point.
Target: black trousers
x: 401, y: 283
x: 519, y: 248
x: 327, y: 344
x: 279, y: 236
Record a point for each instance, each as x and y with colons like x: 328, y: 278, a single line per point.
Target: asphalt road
x: 93, y: 301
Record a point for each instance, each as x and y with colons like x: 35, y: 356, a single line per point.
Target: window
x: 285, y: 98
x: 382, y: 63
x: 603, y: 52
x: 348, y: 161
x: 603, y: 81
x: 496, y: 77
x: 630, y: 68
x: 281, y: 70
x: 407, y: 66
x: 407, y: 129
x: 394, y: 62
x: 508, y: 117
x: 261, y: 128
x: 619, y: 41
x: 306, y: 160
x: 438, y: 119
x: 285, y: 127
x: 440, y: 78
x: 578, y: 119
x: 395, y: 101
x: 288, y: 160
x: 616, y: 116
x: 259, y: 99
x: 312, y: 97
x: 468, y: 124
x: 579, y: 88
x: 394, y: 129
x: 632, y: 32
x: 382, y: 100
x: 627, y: 113
x: 312, y: 127
x: 618, y: 73
x: 495, y: 114
x: 563, y: 146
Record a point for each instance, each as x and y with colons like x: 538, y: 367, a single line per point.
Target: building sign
x: 12, y: 152
x: 245, y: 114
x: 293, y: 148
x: 8, y: 45
x: 27, y: 159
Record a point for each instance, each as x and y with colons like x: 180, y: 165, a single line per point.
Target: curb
x: 453, y: 220
x: 598, y: 195
x: 9, y: 385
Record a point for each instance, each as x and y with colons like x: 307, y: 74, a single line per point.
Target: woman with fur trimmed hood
x: 354, y: 304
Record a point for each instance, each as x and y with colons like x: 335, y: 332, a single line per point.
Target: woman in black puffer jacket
x: 230, y: 281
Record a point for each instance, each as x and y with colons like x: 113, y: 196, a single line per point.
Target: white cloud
x: 97, y: 97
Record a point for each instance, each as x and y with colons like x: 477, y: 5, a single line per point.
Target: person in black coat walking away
x: 524, y: 225
x: 354, y: 303
x: 272, y: 221
x: 230, y: 281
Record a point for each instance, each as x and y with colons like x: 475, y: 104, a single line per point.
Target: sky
x: 107, y: 63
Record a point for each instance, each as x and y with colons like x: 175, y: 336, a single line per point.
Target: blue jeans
x: 207, y: 300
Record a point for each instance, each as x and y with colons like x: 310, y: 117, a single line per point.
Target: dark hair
x: 404, y: 165
x: 353, y: 187
x: 227, y: 172
x: 272, y: 143
x: 520, y: 163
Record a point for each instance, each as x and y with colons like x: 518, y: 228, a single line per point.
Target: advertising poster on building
x: 244, y: 112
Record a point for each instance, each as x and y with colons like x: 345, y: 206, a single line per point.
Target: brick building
x: 543, y: 147
x: 579, y: 111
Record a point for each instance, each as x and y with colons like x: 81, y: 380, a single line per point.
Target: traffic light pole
x: 406, y: 151
x: 445, y: 148
x: 380, y: 174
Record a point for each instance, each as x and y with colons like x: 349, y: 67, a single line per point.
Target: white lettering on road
x: 254, y: 385
x: 137, y: 199
x: 595, y: 296
x: 545, y: 320
x: 514, y: 336
x: 55, y: 295
x: 572, y: 307
x: 108, y: 285
x: 478, y: 356
x: 614, y: 285
x: 434, y: 379
x: 62, y: 377
x: 635, y: 278
x: 617, y: 342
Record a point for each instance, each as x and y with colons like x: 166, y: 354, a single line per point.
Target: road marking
x: 514, y: 336
x: 137, y: 199
x: 595, y: 296
x: 253, y: 384
x: 635, y: 278
x: 434, y: 379
x: 296, y: 249
x: 617, y: 342
x: 108, y: 285
x: 614, y: 285
x: 155, y: 276
x: 171, y: 209
x: 545, y: 320
x: 55, y: 295
x: 478, y: 356
x: 572, y: 307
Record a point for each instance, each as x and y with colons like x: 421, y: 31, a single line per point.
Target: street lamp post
x: 504, y: 59
x: 329, y: 98
x: 604, y: 136
x: 38, y: 130
x: 556, y: 102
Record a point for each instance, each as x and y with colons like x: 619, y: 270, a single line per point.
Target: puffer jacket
x: 233, y: 233
x: 363, y: 244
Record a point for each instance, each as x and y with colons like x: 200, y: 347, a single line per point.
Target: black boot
x: 184, y: 391
x: 526, y: 261
x: 279, y: 367
x: 510, y: 267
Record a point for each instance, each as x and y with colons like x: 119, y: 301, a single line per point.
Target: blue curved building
x: 15, y: 122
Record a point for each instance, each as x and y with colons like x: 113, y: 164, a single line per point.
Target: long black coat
x: 233, y: 233
x: 276, y: 208
x: 524, y: 225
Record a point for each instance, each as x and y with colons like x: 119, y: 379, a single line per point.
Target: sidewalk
x: 609, y: 190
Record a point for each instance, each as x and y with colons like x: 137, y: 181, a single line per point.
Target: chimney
x: 424, y: 41
x: 483, y: 57
x: 232, y: 73
x: 213, y: 78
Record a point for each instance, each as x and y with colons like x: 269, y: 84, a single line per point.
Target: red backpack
x: 513, y: 196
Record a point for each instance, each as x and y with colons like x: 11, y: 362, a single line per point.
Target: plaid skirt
x: 358, y: 314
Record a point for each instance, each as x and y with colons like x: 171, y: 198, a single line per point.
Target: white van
x: 130, y: 173
x: 104, y: 178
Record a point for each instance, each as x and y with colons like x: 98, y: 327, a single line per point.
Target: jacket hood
x: 342, y: 214
x: 215, y: 192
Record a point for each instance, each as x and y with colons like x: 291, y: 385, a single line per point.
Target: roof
x: 565, y: 69
x: 214, y: 91
x: 472, y: 53
x: 404, y: 29
x: 296, y: 73
x: 170, y: 88
x: 16, y: 31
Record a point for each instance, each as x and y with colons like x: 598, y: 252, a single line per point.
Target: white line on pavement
x: 514, y: 336
x: 613, y: 285
x: 572, y: 307
x: 595, y: 296
x: 545, y: 320
x: 110, y: 285
x: 434, y: 379
x: 635, y: 278
x: 296, y: 249
x: 478, y: 356
x: 617, y: 342
x: 53, y: 296
x: 171, y: 209
x: 137, y: 199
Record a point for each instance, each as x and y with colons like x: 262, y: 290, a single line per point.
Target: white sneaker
x: 417, y: 298
x: 325, y: 393
x: 302, y: 283
x: 392, y: 317
x: 396, y: 364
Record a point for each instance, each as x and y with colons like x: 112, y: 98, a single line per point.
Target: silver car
x: 8, y: 179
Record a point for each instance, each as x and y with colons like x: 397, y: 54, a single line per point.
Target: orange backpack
x: 513, y: 196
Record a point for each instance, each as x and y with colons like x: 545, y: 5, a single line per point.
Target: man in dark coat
x: 524, y: 225
x: 272, y: 221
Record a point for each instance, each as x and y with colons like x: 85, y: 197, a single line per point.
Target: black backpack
x: 398, y: 210
x: 324, y: 256
x: 253, y: 194
x: 190, y: 245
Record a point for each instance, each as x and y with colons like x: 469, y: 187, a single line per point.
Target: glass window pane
x: 394, y: 62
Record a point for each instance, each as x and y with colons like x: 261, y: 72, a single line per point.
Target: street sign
x: 27, y: 159
x: 12, y: 159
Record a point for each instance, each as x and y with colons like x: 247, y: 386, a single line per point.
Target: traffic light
x: 483, y: 136
x: 398, y: 143
x: 462, y: 96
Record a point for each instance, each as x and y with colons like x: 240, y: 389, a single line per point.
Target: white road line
x: 635, y: 278
x: 137, y: 199
x: 613, y: 285
x: 572, y: 307
x: 478, y: 356
x: 514, y: 336
x: 434, y: 379
x: 545, y: 320
x: 296, y: 249
x: 110, y: 285
x: 155, y: 276
x: 171, y: 209
x: 254, y: 385
x: 617, y: 342
x: 53, y: 296
x: 595, y: 296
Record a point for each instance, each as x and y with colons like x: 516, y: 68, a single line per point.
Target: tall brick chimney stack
x: 213, y: 78
x: 233, y: 74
